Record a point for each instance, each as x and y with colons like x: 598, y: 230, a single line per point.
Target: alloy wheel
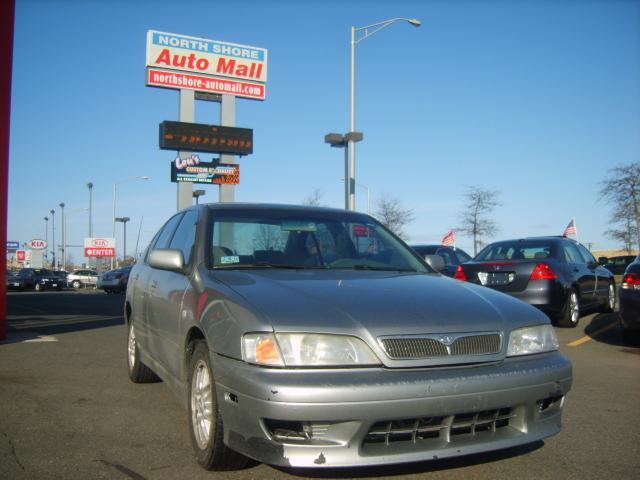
x: 201, y: 404
x: 574, y: 307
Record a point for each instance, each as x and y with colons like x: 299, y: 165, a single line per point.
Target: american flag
x: 449, y: 239
x: 571, y: 229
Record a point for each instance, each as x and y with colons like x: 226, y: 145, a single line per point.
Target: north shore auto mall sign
x: 183, y: 62
x: 99, y: 247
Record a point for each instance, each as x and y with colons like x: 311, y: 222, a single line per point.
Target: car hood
x: 373, y: 304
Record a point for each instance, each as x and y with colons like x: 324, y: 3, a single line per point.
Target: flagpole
x: 575, y: 226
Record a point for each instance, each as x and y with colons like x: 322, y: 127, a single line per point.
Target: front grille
x: 415, y: 347
x: 443, y: 428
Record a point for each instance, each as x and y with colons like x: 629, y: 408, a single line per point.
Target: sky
x: 535, y: 99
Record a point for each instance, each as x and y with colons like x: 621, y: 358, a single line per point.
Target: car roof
x: 276, y: 207
x: 549, y: 238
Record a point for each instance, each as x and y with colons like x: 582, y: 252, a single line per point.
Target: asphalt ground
x: 69, y: 411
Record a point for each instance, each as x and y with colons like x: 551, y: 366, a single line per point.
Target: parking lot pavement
x: 68, y: 410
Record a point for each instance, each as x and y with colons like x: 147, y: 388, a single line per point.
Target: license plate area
x: 493, y: 279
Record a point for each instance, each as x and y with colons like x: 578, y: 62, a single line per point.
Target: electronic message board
x: 198, y: 137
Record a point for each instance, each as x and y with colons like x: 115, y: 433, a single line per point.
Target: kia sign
x: 157, y: 77
x: 207, y: 57
x: 99, y: 247
x: 37, y: 244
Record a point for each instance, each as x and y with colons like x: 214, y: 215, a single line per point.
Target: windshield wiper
x: 362, y: 266
x: 270, y: 265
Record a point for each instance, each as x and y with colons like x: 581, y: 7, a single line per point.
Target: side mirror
x: 436, y: 262
x: 167, y: 259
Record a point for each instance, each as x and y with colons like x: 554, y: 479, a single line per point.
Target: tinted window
x: 425, y: 250
x: 571, y: 253
x: 185, y: 235
x: 164, y: 236
x: 518, y: 250
x: 463, y: 257
x: 448, y: 256
x: 586, y: 254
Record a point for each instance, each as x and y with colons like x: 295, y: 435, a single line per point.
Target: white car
x: 80, y: 278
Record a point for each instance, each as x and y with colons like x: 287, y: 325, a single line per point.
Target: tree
x: 479, y: 203
x: 622, y: 190
x: 314, y: 199
x: 393, y: 215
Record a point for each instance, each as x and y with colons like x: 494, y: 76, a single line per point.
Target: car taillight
x: 461, y: 274
x: 631, y: 281
x: 542, y: 271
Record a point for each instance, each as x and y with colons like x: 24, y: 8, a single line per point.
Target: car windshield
x: 517, y: 250
x: 42, y: 271
x: 277, y: 240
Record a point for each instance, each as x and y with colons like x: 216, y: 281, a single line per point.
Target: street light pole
x: 124, y: 220
x: 350, y: 180
x: 90, y: 187
x: 113, y: 229
x: 53, y: 238
x: 64, y: 258
x: 46, y: 238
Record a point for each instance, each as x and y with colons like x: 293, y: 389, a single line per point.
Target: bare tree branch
x: 393, y: 215
x: 314, y: 199
x: 622, y: 190
x: 479, y: 203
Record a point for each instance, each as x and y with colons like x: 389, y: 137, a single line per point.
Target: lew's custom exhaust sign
x: 199, y: 55
x: 194, y: 171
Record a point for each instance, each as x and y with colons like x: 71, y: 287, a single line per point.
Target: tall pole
x: 187, y: 110
x: 351, y: 146
x: 53, y: 238
x: 90, y: 186
x: 46, y: 238
x: 124, y: 245
x: 64, y: 239
x: 113, y: 227
x: 227, y: 119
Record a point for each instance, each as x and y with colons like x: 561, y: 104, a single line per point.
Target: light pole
x: 113, y: 230
x: 53, y: 238
x: 124, y: 220
x: 197, y: 194
x: 368, y: 195
x: 351, y: 143
x: 64, y: 258
x: 46, y: 238
x: 90, y: 187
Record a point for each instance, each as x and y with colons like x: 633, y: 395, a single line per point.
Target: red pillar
x: 7, y: 15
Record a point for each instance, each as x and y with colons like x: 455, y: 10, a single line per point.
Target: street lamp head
x: 46, y: 219
x: 122, y: 219
x: 52, y: 212
x: 198, y: 193
x: 90, y: 185
x: 414, y: 21
x: 144, y: 177
x: 62, y: 205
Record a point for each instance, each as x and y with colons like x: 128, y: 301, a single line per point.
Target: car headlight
x: 529, y: 340
x: 306, y: 350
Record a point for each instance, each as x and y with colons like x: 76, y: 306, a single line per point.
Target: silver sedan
x: 313, y: 337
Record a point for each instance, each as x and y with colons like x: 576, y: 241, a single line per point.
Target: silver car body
x: 406, y: 409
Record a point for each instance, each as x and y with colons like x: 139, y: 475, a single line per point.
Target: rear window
x: 516, y: 251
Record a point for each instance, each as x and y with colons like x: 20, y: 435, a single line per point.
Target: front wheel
x: 138, y: 371
x: 205, y: 422
x: 571, y: 312
x: 76, y: 284
x: 38, y: 287
x: 610, y: 303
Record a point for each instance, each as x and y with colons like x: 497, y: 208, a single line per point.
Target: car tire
x: 570, y: 314
x: 138, y: 371
x: 205, y: 421
x: 76, y: 284
x: 610, y: 303
x: 37, y: 287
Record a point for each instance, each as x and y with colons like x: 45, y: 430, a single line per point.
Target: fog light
x: 549, y: 404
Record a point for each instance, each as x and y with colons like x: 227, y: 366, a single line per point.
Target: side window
x: 185, y: 235
x: 586, y: 254
x: 164, y: 236
x: 462, y: 257
x: 571, y: 253
x: 448, y: 256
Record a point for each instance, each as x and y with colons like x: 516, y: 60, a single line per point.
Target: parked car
x: 630, y: 302
x: 556, y: 274
x: 616, y: 265
x: 81, y: 278
x: 37, y: 278
x: 61, y: 274
x: 290, y: 345
x: 14, y: 280
x: 114, y: 281
x: 451, y: 256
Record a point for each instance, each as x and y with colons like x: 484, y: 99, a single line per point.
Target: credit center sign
x: 99, y: 247
x: 203, y: 62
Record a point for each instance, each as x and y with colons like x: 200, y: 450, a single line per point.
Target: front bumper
x: 354, y: 417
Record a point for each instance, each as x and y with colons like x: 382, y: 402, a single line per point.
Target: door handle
x: 154, y: 284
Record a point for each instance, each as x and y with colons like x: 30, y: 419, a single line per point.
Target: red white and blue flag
x: 449, y: 239
x: 571, y: 229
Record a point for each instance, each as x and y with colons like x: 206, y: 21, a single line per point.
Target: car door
x: 582, y: 275
x: 601, y: 274
x: 167, y: 290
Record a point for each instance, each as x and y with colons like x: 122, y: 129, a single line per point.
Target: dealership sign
x: 205, y: 172
x: 13, y: 245
x: 206, y: 57
x: 37, y: 244
x: 157, y: 77
x: 99, y: 247
x: 21, y: 255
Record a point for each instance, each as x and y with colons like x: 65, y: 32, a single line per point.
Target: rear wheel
x: 610, y: 303
x: 205, y: 422
x: 138, y: 371
x: 76, y: 284
x: 38, y: 287
x: 571, y: 312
